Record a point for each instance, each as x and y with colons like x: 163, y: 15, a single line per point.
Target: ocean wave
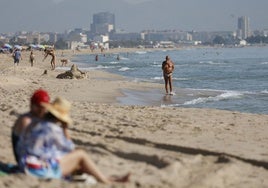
x: 264, y: 63
x: 221, y: 97
x: 157, y: 78
x: 124, y: 58
x: 114, y: 62
x: 180, y: 79
x: 156, y: 64
x: 124, y: 69
x: 170, y: 105
x: 161, y: 78
x: 140, y: 52
x: 264, y: 92
x: 210, y: 62
x: 104, y: 67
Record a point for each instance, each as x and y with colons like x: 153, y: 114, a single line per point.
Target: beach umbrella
x: 40, y: 46
x: 7, y: 46
x: 49, y: 46
x: 32, y: 46
x: 18, y: 47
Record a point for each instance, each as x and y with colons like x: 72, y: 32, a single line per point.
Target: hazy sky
x: 131, y: 15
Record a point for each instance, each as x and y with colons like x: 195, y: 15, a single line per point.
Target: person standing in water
x: 97, y: 58
x: 168, y: 68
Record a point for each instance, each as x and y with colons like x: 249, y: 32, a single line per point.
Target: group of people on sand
x: 42, y: 144
x: 43, y: 147
x: 167, y: 65
x: 17, y: 57
x: 47, y: 52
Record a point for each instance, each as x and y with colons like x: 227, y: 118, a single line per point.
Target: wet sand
x: 158, y: 97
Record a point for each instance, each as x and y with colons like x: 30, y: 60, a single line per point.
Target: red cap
x: 40, y: 96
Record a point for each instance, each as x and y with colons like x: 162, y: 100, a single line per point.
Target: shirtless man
x: 52, y: 54
x: 168, y: 68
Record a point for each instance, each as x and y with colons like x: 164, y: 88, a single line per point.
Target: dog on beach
x: 64, y: 62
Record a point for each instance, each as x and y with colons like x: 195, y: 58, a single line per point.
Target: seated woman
x: 36, y: 113
x: 46, y: 150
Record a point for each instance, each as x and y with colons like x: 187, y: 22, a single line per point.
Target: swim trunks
x: 166, y: 75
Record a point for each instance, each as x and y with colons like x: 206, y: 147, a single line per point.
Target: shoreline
x: 186, y: 97
x: 161, y: 146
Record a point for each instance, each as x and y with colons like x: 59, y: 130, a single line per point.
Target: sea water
x: 221, y: 78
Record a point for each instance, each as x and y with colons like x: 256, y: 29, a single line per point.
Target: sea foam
x: 223, y: 96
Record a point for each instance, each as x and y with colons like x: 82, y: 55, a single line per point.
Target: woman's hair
x: 51, y: 117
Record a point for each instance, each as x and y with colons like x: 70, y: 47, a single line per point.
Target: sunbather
x: 47, y: 151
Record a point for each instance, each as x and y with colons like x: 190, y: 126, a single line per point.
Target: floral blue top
x: 45, y: 141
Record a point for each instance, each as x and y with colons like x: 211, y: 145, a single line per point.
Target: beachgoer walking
x: 17, y: 57
x: 53, y: 57
x: 47, y: 151
x: 96, y: 58
x: 168, y: 68
x: 31, y: 58
x: 37, y: 111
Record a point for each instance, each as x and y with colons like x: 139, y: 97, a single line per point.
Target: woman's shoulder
x: 43, y: 129
x: 41, y: 126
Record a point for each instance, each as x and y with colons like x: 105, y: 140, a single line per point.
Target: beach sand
x: 160, y: 146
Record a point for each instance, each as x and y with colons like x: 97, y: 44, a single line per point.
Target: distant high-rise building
x: 103, y: 23
x: 243, y: 30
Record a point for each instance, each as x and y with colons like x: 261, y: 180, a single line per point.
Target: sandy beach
x: 160, y: 146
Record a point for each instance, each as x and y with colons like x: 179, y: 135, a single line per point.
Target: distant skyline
x: 132, y: 15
